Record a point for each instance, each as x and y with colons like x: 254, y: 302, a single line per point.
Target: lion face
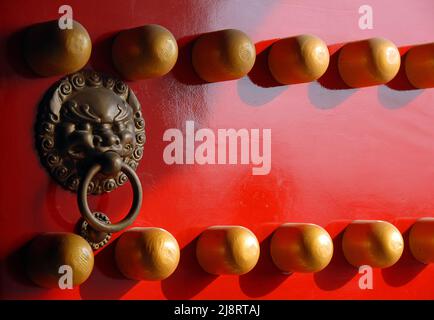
x: 84, y: 119
x: 96, y: 122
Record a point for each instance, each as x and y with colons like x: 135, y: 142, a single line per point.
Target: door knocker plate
x: 90, y: 135
x: 83, y: 118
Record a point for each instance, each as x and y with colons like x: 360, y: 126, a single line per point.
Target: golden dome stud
x: 147, y: 254
x: 368, y: 62
x: 48, y: 252
x: 378, y: 244
x: 227, y: 250
x: 301, y: 247
x: 223, y: 55
x: 419, y: 65
x: 145, y: 52
x: 421, y: 240
x: 51, y: 51
x: 298, y: 59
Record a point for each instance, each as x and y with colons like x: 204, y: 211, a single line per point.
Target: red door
x: 337, y: 155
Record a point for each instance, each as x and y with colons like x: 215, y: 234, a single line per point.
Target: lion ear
x: 133, y: 101
x: 55, y: 103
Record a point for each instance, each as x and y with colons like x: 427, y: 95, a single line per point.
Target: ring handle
x: 89, y: 216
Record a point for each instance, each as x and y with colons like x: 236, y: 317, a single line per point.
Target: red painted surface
x: 337, y: 155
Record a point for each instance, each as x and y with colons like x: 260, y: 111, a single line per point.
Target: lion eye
x: 97, y: 140
x: 83, y: 126
x: 76, y: 152
x: 69, y: 128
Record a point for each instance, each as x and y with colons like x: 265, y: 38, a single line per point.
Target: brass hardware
x: 419, y: 65
x: 421, y: 240
x: 368, y: 62
x: 49, y: 251
x: 378, y: 244
x: 84, y: 118
x: 301, y: 247
x: 223, y: 55
x: 227, y: 250
x: 147, y: 254
x: 298, y: 59
x: 96, y: 239
x: 51, y: 51
x: 93, y: 221
x: 90, y: 136
x: 144, y: 52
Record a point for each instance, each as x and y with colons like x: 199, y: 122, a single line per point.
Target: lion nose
x: 112, y: 140
x: 108, y: 139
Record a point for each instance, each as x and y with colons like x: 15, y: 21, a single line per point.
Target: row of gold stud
x: 153, y: 253
x: 152, y: 51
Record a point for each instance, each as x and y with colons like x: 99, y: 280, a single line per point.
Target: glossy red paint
x: 337, y: 155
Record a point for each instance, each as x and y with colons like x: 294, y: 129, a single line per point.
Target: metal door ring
x: 90, y: 217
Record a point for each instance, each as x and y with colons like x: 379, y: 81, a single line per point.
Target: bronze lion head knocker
x: 90, y: 135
